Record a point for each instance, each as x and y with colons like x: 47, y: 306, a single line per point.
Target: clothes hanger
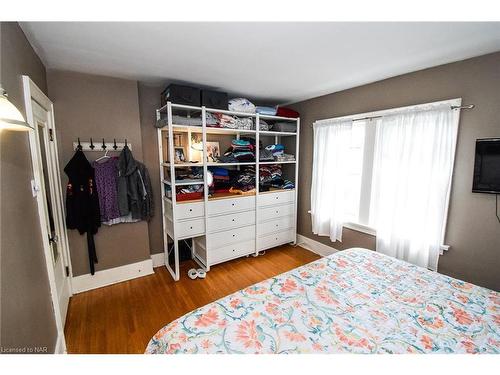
x: 105, y: 156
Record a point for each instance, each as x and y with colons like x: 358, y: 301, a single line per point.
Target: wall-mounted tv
x: 487, y: 166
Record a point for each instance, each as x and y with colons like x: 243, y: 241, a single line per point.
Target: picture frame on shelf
x: 179, y: 156
x: 213, y: 151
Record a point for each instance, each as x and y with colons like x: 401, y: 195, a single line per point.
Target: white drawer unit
x: 230, y: 205
x: 189, y: 210
x: 190, y: 228
x: 275, y: 239
x: 222, y: 226
x: 276, y: 211
x: 269, y: 199
x: 230, y: 221
x: 235, y: 250
x: 224, y: 238
x: 276, y: 225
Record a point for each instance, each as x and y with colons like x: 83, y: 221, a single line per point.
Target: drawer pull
x: 232, y: 204
x: 234, y: 235
x: 277, y: 197
x: 190, y: 227
x: 277, y: 212
x: 190, y: 210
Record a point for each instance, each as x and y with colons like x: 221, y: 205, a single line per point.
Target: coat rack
x: 101, y: 145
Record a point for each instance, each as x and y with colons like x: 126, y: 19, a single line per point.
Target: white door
x: 48, y: 192
x: 52, y: 222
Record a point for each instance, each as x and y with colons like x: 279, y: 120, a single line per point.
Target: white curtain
x: 413, y: 161
x: 330, y: 169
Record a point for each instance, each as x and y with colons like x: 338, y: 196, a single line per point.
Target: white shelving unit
x: 223, y: 227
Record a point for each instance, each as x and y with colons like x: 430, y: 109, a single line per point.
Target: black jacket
x: 82, y: 202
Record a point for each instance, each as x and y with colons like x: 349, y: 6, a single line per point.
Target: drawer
x: 228, y: 205
x: 191, y: 228
x: 268, y: 199
x: 273, y: 212
x: 227, y: 237
x: 230, y: 221
x: 276, y: 225
x: 231, y: 251
x: 275, y: 239
x: 185, y: 211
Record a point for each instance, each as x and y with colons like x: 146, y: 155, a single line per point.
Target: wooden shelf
x: 218, y: 196
x: 229, y: 164
x: 278, y: 162
x: 186, y: 182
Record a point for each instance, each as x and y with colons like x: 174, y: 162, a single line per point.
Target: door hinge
x: 67, y: 271
x: 51, y: 135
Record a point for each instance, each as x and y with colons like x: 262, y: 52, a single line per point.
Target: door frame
x: 32, y: 92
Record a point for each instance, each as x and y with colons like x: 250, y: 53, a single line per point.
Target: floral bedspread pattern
x: 354, y: 301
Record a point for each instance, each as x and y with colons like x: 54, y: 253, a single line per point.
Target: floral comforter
x: 355, y: 301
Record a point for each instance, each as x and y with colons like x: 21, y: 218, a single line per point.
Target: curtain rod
x: 469, y: 106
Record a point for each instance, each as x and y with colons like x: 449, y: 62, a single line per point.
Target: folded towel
x: 271, y: 111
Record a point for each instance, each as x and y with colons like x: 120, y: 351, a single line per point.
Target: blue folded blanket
x: 270, y: 111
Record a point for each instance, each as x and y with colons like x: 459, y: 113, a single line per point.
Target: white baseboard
x: 158, y: 259
x: 112, y: 276
x: 315, y: 246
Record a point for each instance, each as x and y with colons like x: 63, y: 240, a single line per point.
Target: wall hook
x: 79, y: 147
x: 91, y: 144
x: 103, y: 144
x: 126, y: 144
x: 114, y: 144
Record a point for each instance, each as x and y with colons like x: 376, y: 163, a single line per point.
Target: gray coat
x: 135, y: 194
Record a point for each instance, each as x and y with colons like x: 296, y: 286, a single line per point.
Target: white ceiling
x: 278, y: 62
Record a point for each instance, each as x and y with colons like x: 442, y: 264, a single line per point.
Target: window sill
x: 373, y: 232
x: 361, y: 228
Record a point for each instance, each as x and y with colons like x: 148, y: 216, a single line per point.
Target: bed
x: 354, y: 301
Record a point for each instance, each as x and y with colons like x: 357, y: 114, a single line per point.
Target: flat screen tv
x: 487, y: 166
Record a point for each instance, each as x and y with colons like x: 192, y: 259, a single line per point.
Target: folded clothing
x: 270, y: 111
x: 271, y: 178
x: 286, y: 112
x: 210, y: 120
x: 217, y: 171
x: 265, y: 155
x: 283, y: 126
x: 241, y: 105
x: 263, y: 125
x: 284, y: 157
x: 277, y: 149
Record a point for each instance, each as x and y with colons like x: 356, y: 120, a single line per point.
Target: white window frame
x: 364, y: 205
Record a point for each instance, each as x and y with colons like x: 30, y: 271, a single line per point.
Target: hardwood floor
x: 122, y: 318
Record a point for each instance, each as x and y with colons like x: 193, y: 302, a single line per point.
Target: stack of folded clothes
x: 277, y: 149
x: 234, y: 122
x: 233, y: 181
x: 221, y: 180
x: 241, y: 151
x: 211, y: 120
x: 285, y: 157
x: 244, y: 183
x: 270, y: 177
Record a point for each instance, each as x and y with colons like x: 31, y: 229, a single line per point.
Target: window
x: 388, y: 172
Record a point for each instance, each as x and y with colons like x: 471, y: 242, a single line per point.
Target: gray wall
x: 27, y: 319
x: 99, y: 107
x: 149, y: 101
x: 473, y: 230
